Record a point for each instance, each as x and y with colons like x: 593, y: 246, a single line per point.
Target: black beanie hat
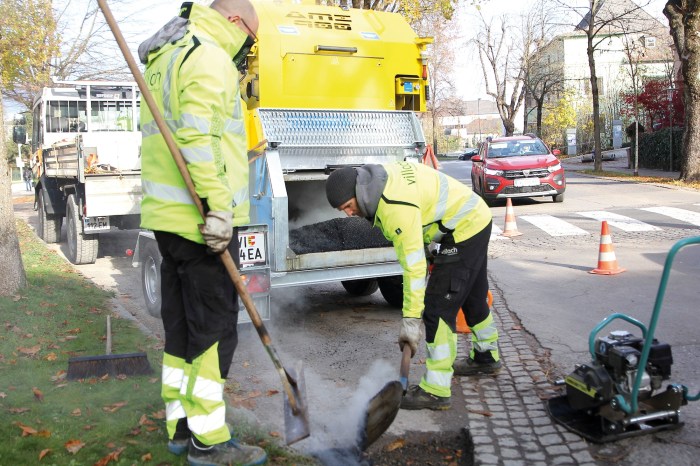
x: 340, y: 186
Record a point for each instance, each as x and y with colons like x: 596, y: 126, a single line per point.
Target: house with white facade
x: 629, y: 41
x: 480, y: 120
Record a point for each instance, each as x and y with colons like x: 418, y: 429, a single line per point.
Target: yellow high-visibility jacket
x: 418, y: 204
x: 195, y: 86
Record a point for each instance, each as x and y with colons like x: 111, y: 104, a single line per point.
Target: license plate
x: 252, y: 249
x: 520, y: 182
x: 95, y: 223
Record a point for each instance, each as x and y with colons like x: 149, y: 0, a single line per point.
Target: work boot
x: 417, y: 398
x: 471, y: 367
x: 178, y: 445
x: 181, y: 440
x: 224, y: 454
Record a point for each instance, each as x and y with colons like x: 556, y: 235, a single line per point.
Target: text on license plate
x: 252, y: 248
x: 526, y: 182
x: 95, y: 223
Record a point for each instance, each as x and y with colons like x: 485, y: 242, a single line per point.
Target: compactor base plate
x: 590, y: 426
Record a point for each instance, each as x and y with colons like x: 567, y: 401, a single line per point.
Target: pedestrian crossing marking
x: 554, y: 226
x: 683, y: 215
x: 496, y: 232
x: 619, y: 221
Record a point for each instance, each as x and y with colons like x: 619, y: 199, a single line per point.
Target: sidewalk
x: 618, y: 164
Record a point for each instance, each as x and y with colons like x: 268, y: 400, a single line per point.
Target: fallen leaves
x: 28, y: 431
x: 74, y: 446
x: 113, y: 408
x: 246, y: 401
x: 43, y: 453
x: 482, y: 412
x: 112, y: 456
x: 38, y: 394
x: 18, y: 410
x: 398, y: 443
x: 31, y: 351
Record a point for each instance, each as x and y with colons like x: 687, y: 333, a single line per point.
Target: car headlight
x: 554, y: 168
x: 489, y: 171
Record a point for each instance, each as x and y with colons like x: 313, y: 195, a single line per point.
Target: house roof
x: 620, y: 16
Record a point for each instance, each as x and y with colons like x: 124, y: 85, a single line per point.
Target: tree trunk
x: 12, y: 276
x: 597, y: 157
x: 690, y: 166
x: 540, y: 104
x: 684, y: 22
x: 508, y: 127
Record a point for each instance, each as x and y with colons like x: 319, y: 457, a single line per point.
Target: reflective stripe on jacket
x: 195, y: 86
x: 420, y: 205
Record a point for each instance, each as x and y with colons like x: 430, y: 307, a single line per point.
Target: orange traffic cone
x: 430, y: 159
x: 607, y: 262
x: 510, y: 229
x: 462, y: 326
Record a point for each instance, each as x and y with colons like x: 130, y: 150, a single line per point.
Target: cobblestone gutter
x: 508, y: 422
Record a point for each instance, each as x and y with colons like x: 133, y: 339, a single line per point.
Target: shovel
x: 296, y: 411
x: 384, y: 406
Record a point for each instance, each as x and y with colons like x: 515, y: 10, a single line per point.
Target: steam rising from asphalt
x: 335, y: 433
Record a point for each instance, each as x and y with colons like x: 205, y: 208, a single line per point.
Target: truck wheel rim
x: 151, y: 280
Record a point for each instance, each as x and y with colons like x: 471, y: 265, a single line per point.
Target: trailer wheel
x: 49, y: 225
x: 150, y: 277
x: 82, y: 248
x: 392, y: 290
x: 363, y: 287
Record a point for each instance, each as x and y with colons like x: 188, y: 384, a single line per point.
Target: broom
x: 83, y: 367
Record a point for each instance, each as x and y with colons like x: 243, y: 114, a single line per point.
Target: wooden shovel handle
x: 405, y: 365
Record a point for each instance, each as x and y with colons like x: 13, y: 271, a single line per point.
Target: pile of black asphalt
x: 338, y: 234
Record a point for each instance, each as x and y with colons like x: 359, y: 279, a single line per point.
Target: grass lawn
x: 47, y: 419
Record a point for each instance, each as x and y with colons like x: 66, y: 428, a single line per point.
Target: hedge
x: 654, y: 149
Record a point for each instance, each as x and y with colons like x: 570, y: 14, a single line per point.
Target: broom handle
x: 108, y: 349
x: 226, y: 258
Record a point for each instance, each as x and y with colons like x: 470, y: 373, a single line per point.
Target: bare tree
x: 504, y: 53
x: 442, y: 101
x: 544, y: 78
x: 598, y: 20
x: 682, y: 17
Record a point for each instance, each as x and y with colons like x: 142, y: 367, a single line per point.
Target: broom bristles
x: 109, y: 364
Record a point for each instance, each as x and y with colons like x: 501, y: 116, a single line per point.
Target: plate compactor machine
x: 623, y: 391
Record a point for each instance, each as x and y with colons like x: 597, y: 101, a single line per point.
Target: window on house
x: 650, y: 42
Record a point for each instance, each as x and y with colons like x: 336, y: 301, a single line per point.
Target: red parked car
x: 517, y: 166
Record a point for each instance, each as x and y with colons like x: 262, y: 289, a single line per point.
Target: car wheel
x: 392, y: 290
x: 364, y: 287
x: 82, y: 248
x: 558, y: 197
x: 49, y: 225
x: 150, y: 277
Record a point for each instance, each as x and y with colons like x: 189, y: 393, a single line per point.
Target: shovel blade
x: 296, y: 425
x: 381, y: 412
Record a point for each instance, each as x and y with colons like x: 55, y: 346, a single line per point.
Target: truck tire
x: 82, y: 248
x: 49, y: 225
x: 363, y: 287
x: 150, y: 277
x: 392, y: 290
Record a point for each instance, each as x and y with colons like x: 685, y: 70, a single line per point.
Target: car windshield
x: 517, y: 148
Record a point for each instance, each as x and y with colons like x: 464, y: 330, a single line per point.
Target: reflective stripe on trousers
x: 485, y: 338
x: 440, y: 354
x: 195, y: 391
